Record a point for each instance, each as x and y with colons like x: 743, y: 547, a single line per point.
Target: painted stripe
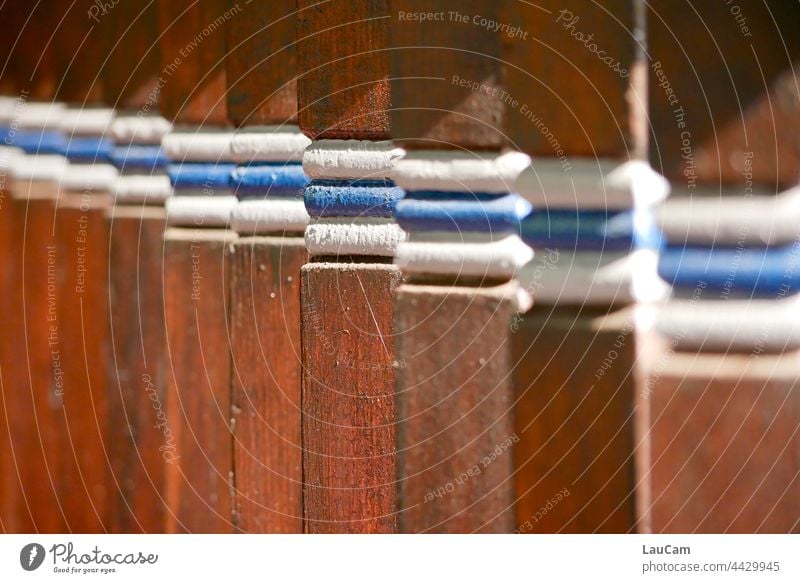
x: 198, y: 146
x: 354, y: 198
x: 138, y: 157
x: 142, y: 189
x: 86, y: 121
x: 38, y: 167
x: 200, y: 176
x: 269, y: 179
x: 269, y: 144
x: 274, y: 215
x: 351, y: 159
x: 446, y: 211
x: 37, y: 116
x: 88, y: 149
x: 349, y: 236
x: 38, y: 142
x: 200, y: 211
x: 139, y: 129
x: 89, y: 177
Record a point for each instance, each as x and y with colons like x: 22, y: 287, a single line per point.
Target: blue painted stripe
x: 80, y: 149
x: 139, y: 157
x: 763, y: 271
x: 45, y: 142
x: 456, y: 211
x: 352, y: 198
x: 592, y: 230
x: 274, y: 179
x: 200, y: 175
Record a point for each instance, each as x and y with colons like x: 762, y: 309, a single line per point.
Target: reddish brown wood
x: 348, y: 397
x: 29, y: 49
x: 9, y: 251
x: 343, y: 85
x: 576, y: 379
x: 722, y: 92
x: 261, y: 64
x: 80, y: 52
x: 454, y: 399
x: 192, y: 45
x: 724, y: 444
x: 199, y: 477
x: 265, y: 336
x: 137, y: 416
x: 565, y: 99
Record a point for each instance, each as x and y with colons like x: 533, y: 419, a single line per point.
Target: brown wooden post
x: 577, y: 78
x: 139, y: 441
x: 722, y: 395
x: 197, y: 245
x: 265, y: 269
x: 347, y: 289
x: 453, y: 351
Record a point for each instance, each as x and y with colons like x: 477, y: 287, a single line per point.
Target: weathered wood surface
x: 193, y: 47
x: 576, y: 380
x: 343, y: 66
x: 455, y: 410
x: 266, y: 402
x: 348, y: 397
x: 137, y: 390
x: 199, y: 478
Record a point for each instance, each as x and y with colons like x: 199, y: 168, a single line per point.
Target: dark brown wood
x: 724, y: 104
x: 192, y: 45
x: 577, y: 78
x: 265, y: 335
x: 348, y: 397
x: 9, y: 277
x: 85, y: 481
x: 454, y: 398
x: 724, y: 444
x: 138, y: 438
x: 576, y: 381
x: 29, y: 48
x: 261, y: 64
x: 80, y: 52
x: 447, y: 85
x: 343, y: 66
x: 199, y: 477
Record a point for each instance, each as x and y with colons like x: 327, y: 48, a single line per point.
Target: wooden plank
x: 348, y: 397
x: 192, y: 45
x: 29, y: 55
x: 455, y: 424
x: 199, y: 469
x: 139, y: 442
x: 80, y: 53
x: 265, y: 335
x: 343, y: 83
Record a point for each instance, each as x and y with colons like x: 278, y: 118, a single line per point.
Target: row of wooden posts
x: 191, y: 378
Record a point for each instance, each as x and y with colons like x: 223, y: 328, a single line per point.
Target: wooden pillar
x: 453, y: 353
x: 577, y: 82
x: 347, y: 288
x: 722, y: 394
x: 139, y: 442
x: 270, y: 218
x: 197, y: 246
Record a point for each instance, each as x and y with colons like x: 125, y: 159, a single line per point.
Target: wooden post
x: 577, y: 82
x: 454, y: 391
x: 347, y: 289
x: 722, y: 393
x: 269, y: 218
x: 197, y: 246
x: 139, y: 443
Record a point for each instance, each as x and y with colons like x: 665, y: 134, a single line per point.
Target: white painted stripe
x: 253, y: 217
x: 353, y: 236
x: 86, y: 121
x: 592, y: 184
x: 269, y: 144
x: 31, y: 115
x: 351, y: 159
x: 498, y: 259
x: 89, y: 177
x: 139, y: 129
x: 8, y: 108
x: 198, y: 145
x: 38, y: 167
x: 458, y: 171
x: 8, y: 157
x: 200, y: 211
x: 139, y: 189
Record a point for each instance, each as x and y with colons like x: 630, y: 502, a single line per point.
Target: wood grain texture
x: 193, y: 47
x: 9, y: 279
x: 28, y: 49
x: 137, y: 391
x: 576, y: 380
x: 80, y: 52
x: 86, y: 483
x: 131, y: 74
x: 579, y: 78
x: 348, y: 397
x: 724, y: 444
x: 199, y: 478
x: 723, y: 100
x: 265, y: 337
x: 447, y: 75
x: 262, y: 65
x: 455, y: 402
x: 343, y: 67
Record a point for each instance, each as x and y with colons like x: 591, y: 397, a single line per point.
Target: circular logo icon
x: 31, y: 556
